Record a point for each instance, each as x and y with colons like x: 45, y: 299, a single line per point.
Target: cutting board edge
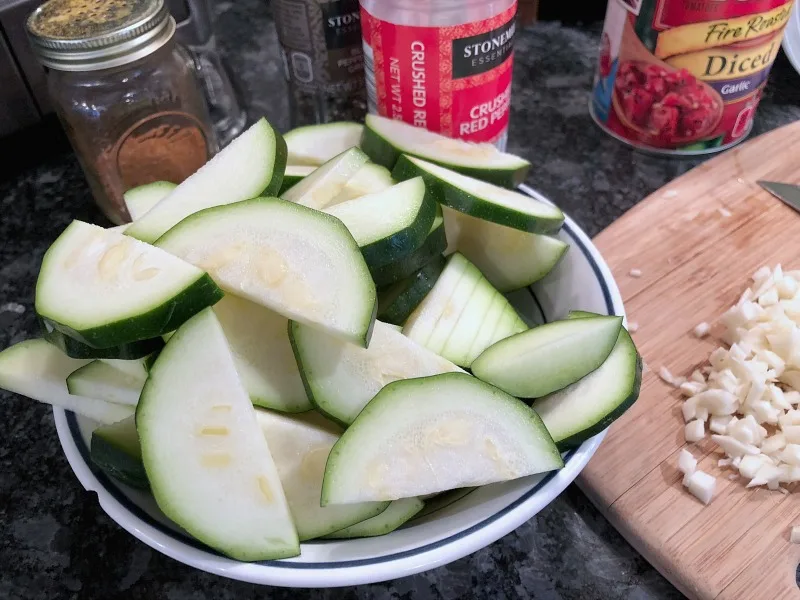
x: 639, y: 544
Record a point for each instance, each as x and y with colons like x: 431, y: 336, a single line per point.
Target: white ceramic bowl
x: 581, y: 281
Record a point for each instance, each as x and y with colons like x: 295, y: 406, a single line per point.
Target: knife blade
x: 787, y: 193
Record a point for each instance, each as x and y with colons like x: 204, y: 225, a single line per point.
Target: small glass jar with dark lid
x: 125, y: 93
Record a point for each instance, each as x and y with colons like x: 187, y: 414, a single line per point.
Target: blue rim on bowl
x: 327, y: 567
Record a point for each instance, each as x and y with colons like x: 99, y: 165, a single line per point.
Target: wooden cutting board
x: 697, y: 241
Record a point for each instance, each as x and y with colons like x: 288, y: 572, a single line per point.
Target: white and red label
x: 453, y: 80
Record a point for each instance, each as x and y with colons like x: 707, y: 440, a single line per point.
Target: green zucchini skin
x: 433, y: 246
x: 143, y: 327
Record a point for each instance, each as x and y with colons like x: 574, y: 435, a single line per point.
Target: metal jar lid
x: 88, y: 35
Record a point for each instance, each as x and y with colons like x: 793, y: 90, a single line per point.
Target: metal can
x: 684, y: 78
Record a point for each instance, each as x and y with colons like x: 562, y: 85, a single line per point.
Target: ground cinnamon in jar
x: 167, y: 146
x: 125, y: 93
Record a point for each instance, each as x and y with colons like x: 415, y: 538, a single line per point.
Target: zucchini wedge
x: 588, y: 406
x: 432, y: 247
x: 399, y: 300
x: 369, y: 179
x: 136, y: 368
x: 319, y: 188
x: 456, y: 430
x: 75, y: 349
x: 298, y: 262
x: 436, y: 502
x: 453, y: 320
x: 251, y: 165
x: 388, y: 225
x: 115, y: 449
x: 142, y: 198
x: 390, y: 519
x: 549, y: 357
x: 264, y: 359
x: 480, y: 199
x: 341, y: 378
x: 100, y: 380
x: 105, y: 289
x: 316, y: 144
x: 384, y: 140
x: 300, y: 445
x: 292, y: 175
x: 209, y: 466
x: 39, y: 370
x: 510, y: 259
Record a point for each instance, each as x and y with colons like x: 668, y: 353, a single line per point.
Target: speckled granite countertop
x: 55, y: 542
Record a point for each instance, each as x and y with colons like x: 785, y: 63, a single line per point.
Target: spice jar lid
x: 86, y: 35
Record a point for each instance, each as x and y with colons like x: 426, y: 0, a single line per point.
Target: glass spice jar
x: 125, y: 93
x: 320, y: 43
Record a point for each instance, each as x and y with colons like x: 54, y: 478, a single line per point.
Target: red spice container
x: 685, y: 78
x: 444, y: 65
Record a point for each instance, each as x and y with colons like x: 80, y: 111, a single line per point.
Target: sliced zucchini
x: 437, y: 502
x: 264, y: 359
x: 39, y: 370
x: 465, y: 330
x: 398, y: 328
x: 549, y: 357
x: 510, y: 259
x: 494, y: 326
x: 509, y: 324
x: 399, y: 300
x: 251, y: 165
x: 115, y: 449
x: 100, y: 380
x: 300, y: 445
x: 105, y: 289
x: 384, y: 140
x: 428, y: 435
x: 450, y: 318
x: 433, y: 246
x: 293, y: 174
x: 369, y: 179
x: 142, y: 198
x: 136, y: 368
x: 588, y: 406
x: 388, y: 225
x: 316, y: 144
x: 480, y: 199
x: 425, y: 317
x: 209, y: 466
x: 299, y: 262
x: 75, y: 349
x: 390, y: 519
x: 466, y: 294
x: 318, y: 189
x: 341, y: 378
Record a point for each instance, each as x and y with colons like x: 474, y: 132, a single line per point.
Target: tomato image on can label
x: 685, y: 76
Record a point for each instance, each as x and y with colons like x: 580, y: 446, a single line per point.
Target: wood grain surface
x: 697, y: 241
